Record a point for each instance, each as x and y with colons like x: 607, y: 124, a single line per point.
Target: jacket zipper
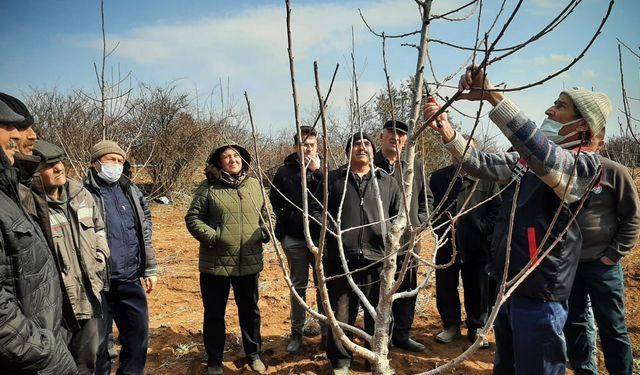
x: 72, y: 212
x: 362, y: 213
x: 241, y: 228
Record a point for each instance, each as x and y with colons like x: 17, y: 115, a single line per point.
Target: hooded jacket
x: 228, y: 221
x: 31, y: 335
x: 34, y: 200
x: 89, y: 239
x: 88, y: 234
x: 286, y: 197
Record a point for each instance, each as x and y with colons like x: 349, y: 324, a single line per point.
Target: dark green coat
x: 228, y: 222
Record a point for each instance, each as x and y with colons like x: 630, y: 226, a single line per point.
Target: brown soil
x: 175, y: 310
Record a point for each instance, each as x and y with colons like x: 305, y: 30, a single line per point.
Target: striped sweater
x: 550, y: 162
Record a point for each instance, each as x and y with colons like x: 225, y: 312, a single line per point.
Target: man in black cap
x: 27, y: 133
x: 15, y: 113
x: 392, y: 140
x: 31, y: 335
x: 363, y: 247
x: 74, y: 229
x: 26, y: 163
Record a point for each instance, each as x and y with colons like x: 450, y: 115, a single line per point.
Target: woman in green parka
x: 226, y: 216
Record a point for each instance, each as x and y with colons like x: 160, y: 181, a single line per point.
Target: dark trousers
x: 126, y: 304
x: 215, y: 293
x: 404, y: 309
x: 604, y: 285
x: 345, y: 303
x: 83, y: 345
x: 447, y: 299
x: 300, y: 259
x: 529, y: 338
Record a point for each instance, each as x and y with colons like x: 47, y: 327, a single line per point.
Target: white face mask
x: 550, y: 128
x: 110, y: 172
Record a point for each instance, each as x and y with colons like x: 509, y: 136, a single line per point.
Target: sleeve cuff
x: 455, y: 146
x: 613, y: 255
x: 151, y: 272
x: 504, y: 112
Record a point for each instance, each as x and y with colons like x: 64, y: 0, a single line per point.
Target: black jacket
x: 31, y: 335
x: 421, y: 199
x: 536, y: 207
x: 473, y: 230
x: 287, y: 182
x: 360, y: 208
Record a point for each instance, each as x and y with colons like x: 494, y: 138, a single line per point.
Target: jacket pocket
x: 86, y: 223
x: 217, y: 228
x: 93, y: 264
x: 23, y: 235
x: 60, y: 253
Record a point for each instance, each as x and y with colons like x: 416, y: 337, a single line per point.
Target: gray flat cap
x: 8, y: 116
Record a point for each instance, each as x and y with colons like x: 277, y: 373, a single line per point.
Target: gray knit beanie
x: 106, y: 147
x: 594, y: 107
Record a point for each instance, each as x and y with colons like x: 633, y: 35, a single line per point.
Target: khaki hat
x: 102, y: 148
x: 594, y: 107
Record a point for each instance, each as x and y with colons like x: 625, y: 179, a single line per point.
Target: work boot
x: 214, y: 370
x: 449, y: 334
x: 111, y: 347
x: 409, y: 344
x: 257, y: 365
x: 295, y: 341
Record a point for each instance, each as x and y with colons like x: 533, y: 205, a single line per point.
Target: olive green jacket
x: 228, y: 222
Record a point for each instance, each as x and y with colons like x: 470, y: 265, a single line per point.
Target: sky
x: 241, y: 45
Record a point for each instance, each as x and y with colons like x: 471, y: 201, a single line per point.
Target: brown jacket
x: 89, y: 235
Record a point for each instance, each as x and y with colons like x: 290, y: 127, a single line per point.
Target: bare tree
x: 408, y: 104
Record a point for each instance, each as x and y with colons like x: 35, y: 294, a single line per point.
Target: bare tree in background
x: 625, y: 148
x: 165, y: 138
x: 113, y: 98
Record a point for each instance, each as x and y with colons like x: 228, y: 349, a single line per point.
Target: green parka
x: 228, y: 222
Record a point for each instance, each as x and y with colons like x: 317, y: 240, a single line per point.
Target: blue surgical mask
x: 550, y: 128
x: 110, y: 172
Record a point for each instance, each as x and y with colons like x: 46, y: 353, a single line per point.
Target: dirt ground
x: 175, y: 310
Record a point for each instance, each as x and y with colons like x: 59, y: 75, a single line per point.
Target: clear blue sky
x: 53, y: 44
